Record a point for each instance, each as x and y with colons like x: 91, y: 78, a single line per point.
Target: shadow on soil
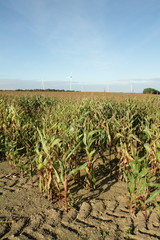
x: 106, y: 177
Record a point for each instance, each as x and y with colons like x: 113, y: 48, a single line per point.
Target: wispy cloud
x: 63, y: 27
x: 123, y: 85
x: 140, y: 80
x: 13, y: 84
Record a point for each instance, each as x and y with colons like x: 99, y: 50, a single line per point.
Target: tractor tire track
x: 26, y: 214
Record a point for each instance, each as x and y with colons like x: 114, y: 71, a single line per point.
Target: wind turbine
x: 106, y: 87
x: 42, y: 84
x: 131, y: 86
x: 70, y: 81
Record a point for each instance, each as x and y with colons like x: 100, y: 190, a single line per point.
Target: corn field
x: 66, y: 140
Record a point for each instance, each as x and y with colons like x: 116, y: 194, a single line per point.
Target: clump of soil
x: 100, y: 214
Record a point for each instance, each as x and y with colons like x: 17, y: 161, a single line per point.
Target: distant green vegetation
x: 41, y: 90
x: 45, y: 90
x: 150, y: 91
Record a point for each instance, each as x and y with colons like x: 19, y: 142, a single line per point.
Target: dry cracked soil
x: 101, y: 214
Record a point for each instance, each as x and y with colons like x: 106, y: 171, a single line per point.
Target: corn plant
x: 136, y: 177
x: 89, y: 139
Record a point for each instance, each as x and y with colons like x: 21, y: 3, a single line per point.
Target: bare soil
x: 101, y: 214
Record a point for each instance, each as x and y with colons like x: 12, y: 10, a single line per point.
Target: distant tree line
x: 150, y: 91
x: 41, y: 90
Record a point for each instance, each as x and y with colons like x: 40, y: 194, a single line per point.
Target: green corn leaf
x: 142, y: 186
x: 147, y: 147
x: 87, y: 169
x: 43, y: 142
x: 45, y: 162
x: 78, y: 169
x: 55, y: 142
x: 131, y: 185
x: 91, y: 142
x: 143, y: 172
x: 133, y: 150
x: 91, y: 153
x: 134, y: 137
x: 40, y: 166
x: 152, y: 184
x: 39, y: 133
x: 134, y: 167
x: 62, y: 171
x: 53, y: 126
x: 85, y: 139
x: 153, y: 196
x: 49, y: 182
x: 148, y: 132
x: 118, y: 135
x: 72, y: 152
x: 57, y: 175
x: 91, y: 133
x: 45, y: 148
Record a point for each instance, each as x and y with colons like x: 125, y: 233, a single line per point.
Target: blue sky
x: 107, y: 45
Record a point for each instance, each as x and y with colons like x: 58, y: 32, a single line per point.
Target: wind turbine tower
x: 70, y: 82
x: 108, y: 88
x: 42, y: 84
x: 131, y: 86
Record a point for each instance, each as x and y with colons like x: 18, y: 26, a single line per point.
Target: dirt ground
x: 101, y: 214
